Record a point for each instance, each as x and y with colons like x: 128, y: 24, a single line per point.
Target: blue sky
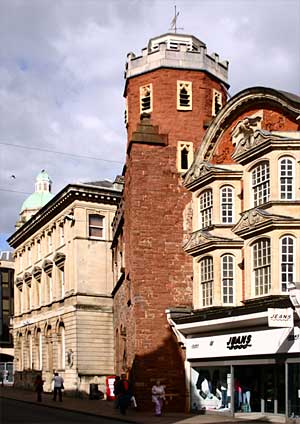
x: 61, y: 77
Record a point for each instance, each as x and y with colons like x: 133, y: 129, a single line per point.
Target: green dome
x: 37, y: 200
x: 41, y: 195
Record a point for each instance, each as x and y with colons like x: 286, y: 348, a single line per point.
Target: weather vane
x: 174, y: 26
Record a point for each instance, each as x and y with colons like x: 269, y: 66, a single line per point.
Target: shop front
x: 251, y: 372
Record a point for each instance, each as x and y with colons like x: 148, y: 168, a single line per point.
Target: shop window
x: 262, y: 267
x: 227, y: 207
x: 287, y: 262
x: 206, y: 280
x: 146, y: 99
x: 228, y: 279
x: 217, y: 102
x: 286, y: 170
x: 96, y: 226
x: 184, y: 95
x: 261, y: 184
x: 185, y: 155
x: 293, y: 390
x: 210, y: 388
x: 206, y: 205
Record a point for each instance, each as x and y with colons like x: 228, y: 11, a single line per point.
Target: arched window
x: 286, y: 172
x: 262, y: 266
x: 227, y: 208
x: 206, y: 280
x: 287, y: 261
x: 228, y: 279
x: 206, y: 205
x: 261, y: 184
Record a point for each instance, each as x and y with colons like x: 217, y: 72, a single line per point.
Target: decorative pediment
x: 201, y: 238
x: 202, y: 170
x: 256, y: 218
x: 37, y: 271
x: 59, y: 258
x: 47, y: 265
x: 255, y: 142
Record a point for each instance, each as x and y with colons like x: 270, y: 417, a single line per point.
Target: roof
x: 36, y: 200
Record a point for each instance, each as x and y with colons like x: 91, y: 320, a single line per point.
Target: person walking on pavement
x: 58, y: 386
x: 38, y: 383
x: 158, y: 397
x: 124, y: 393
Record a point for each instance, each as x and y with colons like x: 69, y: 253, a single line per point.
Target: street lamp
x: 294, y: 292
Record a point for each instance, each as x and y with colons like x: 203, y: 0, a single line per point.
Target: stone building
x: 6, y: 312
x: 172, y: 91
x: 63, y: 317
x: 242, y: 336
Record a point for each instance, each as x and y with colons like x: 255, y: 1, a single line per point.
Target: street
x: 12, y: 411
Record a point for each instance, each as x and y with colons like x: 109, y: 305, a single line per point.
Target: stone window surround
x: 190, y: 157
x: 261, y: 266
x: 286, y: 177
x: 227, y: 205
x: 187, y: 85
x: 90, y: 214
x: 206, y: 274
x: 144, y: 90
x: 260, y: 183
x: 205, y: 200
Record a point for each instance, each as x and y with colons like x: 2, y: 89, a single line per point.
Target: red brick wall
x: 158, y: 272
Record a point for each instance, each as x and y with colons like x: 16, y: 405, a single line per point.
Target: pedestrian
x: 58, y: 386
x: 124, y: 393
x: 38, y: 383
x: 116, y: 392
x: 158, y: 397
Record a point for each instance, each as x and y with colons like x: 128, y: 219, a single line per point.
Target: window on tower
x: 217, y: 102
x: 184, y: 95
x: 184, y: 155
x: 146, y: 99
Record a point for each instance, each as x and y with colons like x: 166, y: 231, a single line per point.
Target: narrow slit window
x: 185, y: 155
x: 217, y: 102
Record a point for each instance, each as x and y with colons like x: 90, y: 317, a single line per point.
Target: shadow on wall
x: 167, y: 365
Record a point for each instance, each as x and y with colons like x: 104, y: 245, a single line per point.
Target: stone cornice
x: 257, y: 220
x: 204, y: 173
x: 256, y: 96
x: 257, y: 143
x: 60, y: 202
x: 200, y: 241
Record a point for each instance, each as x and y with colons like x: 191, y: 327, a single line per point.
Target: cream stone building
x: 242, y: 337
x: 63, y: 317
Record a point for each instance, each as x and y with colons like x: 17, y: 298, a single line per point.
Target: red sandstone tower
x: 172, y: 93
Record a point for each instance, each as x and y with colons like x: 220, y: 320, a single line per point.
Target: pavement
x: 105, y: 408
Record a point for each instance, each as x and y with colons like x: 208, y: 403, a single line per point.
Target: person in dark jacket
x: 123, y: 392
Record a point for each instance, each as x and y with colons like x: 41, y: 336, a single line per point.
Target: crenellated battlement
x: 177, y: 51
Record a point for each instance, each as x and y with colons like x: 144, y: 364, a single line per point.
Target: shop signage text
x: 280, y: 317
x: 239, y: 342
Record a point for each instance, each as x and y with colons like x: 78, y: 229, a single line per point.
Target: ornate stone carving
x: 252, y: 218
x: 199, y: 238
x: 243, y: 132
